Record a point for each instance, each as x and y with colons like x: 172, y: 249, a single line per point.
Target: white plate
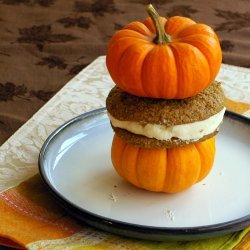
x: 75, y: 164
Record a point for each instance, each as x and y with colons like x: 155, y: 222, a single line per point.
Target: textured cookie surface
x: 144, y: 142
x: 126, y: 107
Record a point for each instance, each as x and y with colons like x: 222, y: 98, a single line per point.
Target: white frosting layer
x: 190, y: 131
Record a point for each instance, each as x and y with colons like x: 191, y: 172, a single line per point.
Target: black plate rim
x: 130, y: 229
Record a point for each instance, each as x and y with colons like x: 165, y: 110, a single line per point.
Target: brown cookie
x: 145, y: 142
x: 126, y: 107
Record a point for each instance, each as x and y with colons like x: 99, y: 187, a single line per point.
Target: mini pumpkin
x: 160, y: 58
x: 163, y: 170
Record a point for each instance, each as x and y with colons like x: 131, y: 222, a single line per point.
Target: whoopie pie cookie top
x: 126, y: 107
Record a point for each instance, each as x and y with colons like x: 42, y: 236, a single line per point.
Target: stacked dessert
x: 166, y: 107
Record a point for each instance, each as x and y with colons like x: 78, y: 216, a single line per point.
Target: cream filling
x: 190, y: 131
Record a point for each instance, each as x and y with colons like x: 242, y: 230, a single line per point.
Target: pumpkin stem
x: 161, y: 36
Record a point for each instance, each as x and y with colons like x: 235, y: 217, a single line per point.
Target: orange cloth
x: 237, y: 107
x: 29, y: 214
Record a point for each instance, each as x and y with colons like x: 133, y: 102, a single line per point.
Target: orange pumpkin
x: 160, y: 58
x: 163, y: 170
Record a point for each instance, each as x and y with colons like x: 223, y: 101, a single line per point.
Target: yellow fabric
x: 237, y: 107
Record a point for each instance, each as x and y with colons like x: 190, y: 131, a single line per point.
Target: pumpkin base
x: 168, y: 170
